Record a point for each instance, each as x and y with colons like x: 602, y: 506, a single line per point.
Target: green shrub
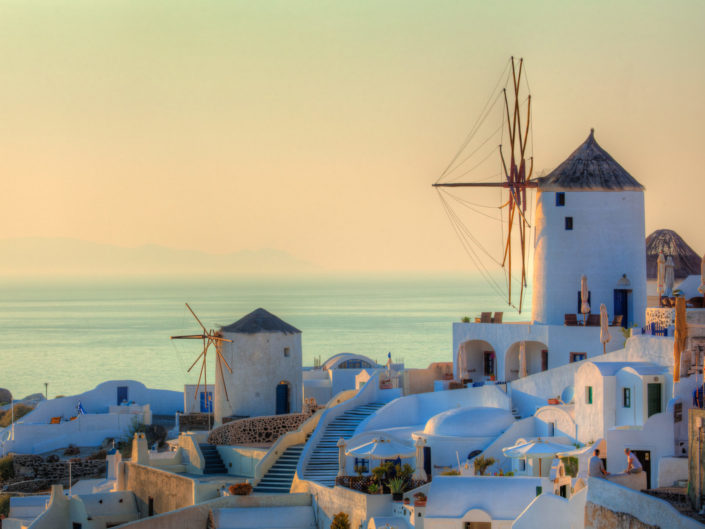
x: 571, y: 465
x: 4, y: 506
x: 451, y: 472
x: 482, y: 464
x: 7, y: 469
x: 465, y: 319
x: 20, y: 411
x: 396, y: 485
x: 240, y: 489
x: 340, y: 521
x: 405, y: 472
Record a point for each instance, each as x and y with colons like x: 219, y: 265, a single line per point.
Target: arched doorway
x: 283, y: 400
x: 536, y: 359
x: 477, y: 361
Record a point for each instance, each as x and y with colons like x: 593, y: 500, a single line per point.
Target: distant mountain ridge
x: 65, y: 256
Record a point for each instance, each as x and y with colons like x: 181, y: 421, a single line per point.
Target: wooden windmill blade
x: 208, y: 337
x: 199, y: 321
x: 516, y: 179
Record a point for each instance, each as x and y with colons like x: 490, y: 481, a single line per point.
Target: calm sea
x: 75, y: 334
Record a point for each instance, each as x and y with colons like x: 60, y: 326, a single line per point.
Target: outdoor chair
x: 617, y: 321
x: 571, y: 319
x: 497, y: 317
x: 593, y: 320
x: 485, y: 317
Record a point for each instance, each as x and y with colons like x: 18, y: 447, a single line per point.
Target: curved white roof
x: 502, y: 498
x: 336, y: 359
x: 470, y: 422
x: 610, y: 369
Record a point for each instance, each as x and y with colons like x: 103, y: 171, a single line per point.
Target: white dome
x: 470, y: 422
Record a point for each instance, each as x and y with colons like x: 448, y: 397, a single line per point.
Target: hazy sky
x: 317, y: 128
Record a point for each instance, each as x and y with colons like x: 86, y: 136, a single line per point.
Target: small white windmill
x: 208, y: 337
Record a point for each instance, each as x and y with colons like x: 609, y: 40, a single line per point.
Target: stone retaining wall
x: 257, y: 430
x: 34, y: 473
x: 599, y: 517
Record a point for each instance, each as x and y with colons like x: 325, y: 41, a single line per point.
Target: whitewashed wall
x: 259, y: 364
x: 104, y: 395
x: 607, y: 240
x: 192, y: 402
x: 590, y: 418
x: 471, y: 339
x: 656, y: 436
x: 549, y: 511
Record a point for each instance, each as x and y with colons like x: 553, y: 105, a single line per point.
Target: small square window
x: 627, y: 397
x: 588, y: 394
x: 569, y: 223
x: 287, y: 351
x: 577, y: 357
x: 560, y: 199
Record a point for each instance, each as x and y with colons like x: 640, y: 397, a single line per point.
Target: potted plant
x: 340, y: 521
x: 373, y: 488
x: 419, y: 499
x: 240, y: 489
x: 396, y: 486
x: 407, y: 501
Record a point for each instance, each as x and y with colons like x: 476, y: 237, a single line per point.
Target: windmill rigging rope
x: 493, y: 134
x: 469, y: 250
x: 469, y: 234
x: 478, y: 164
x: 471, y: 208
x: 481, y: 118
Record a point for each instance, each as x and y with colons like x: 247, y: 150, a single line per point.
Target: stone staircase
x: 322, y: 467
x: 214, y: 465
x: 279, y: 477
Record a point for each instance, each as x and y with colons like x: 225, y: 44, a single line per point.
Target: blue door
x: 621, y: 305
x: 282, y: 398
x: 206, y: 399
x: 121, y: 394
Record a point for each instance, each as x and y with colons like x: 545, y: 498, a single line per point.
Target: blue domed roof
x: 470, y: 422
x: 568, y: 395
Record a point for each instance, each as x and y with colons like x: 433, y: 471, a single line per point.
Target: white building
x: 336, y: 374
x: 266, y: 360
x: 201, y: 402
x: 589, y: 221
x: 618, y: 394
x: 483, y: 502
x: 108, y: 410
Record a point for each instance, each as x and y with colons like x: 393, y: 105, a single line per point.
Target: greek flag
x: 80, y: 409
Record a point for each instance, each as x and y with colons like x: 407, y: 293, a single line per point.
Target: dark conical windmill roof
x: 686, y: 262
x: 260, y: 320
x: 589, y: 168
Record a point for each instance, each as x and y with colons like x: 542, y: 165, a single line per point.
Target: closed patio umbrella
x: 584, y: 296
x: 701, y: 288
x: 605, y: 335
x: 670, y: 278
x: 660, y: 275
